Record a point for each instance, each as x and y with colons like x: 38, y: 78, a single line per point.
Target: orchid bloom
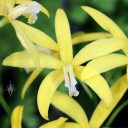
x: 80, y: 121
x: 68, y: 68
x: 27, y: 8
x: 40, y: 38
x: 107, y: 24
x: 16, y: 117
x: 121, y: 85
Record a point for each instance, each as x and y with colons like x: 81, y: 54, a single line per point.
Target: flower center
x: 70, y: 81
x: 29, y: 10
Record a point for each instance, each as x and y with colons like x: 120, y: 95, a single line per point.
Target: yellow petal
x: 38, y: 36
x: 2, y: 5
x: 89, y: 37
x: 63, y: 35
x: 70, y: 125
x: 78, y: 70
x: 10, y: 3
x: 70, y: 107
x: 45, y: 11
x: 47, y: 90
x: 55, y: 124
x: 102, y: 112
x: 6, y: 6
x: 98, y: 48
x: 29, y: 81
x: 27, y: 43
x: 103, y: 64
x: 97, y: 84
x: 105, y: 22
x: 16, y: 117
x: 78, y: 34
x: 22, y: 1
x: 23, y: 60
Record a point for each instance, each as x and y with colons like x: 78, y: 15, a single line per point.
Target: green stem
x: 4, y: 105
x: 87, y: 90
x: 115, y: 113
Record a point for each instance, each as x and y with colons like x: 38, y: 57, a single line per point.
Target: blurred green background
x: 79, y: 21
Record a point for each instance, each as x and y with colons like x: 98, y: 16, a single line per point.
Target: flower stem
x: 115, y: 113
x: 4, y: 105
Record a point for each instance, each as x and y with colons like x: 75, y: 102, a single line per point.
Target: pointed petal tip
x: 5, y: 62
x: 59, y: 11
x: 16, y: 116
x: 45, y: 11
x: 85, y: 7
x: 44, y: 115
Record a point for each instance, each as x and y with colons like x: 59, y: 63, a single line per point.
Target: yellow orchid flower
x: 107, y: 24
x: 67, y: 67
x: 118, y: 90
x: 41, y: 38
x: 120, y: 87
x: 60, y: 123
x: 16, y: 117
x: 27, y: 8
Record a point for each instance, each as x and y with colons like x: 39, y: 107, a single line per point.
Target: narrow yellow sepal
x: 22, y: 1
x: 16, y: 117
x: 29, y: 81
x: 98, y: 48
x: 45, y: 11
x: 63, y: 35
x: 27, y: 43
x: 23, y: 60
x: 102, y: 112
x: 47, y: 90
x: 99, y: 85
x: 86, y: 37
x: 103, y: 64
x: 70, y: 107
x: 38, y: 36
x: 105, y: 22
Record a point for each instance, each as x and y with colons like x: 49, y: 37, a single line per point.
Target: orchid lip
x: 29, y: 10
x: 70, y: 81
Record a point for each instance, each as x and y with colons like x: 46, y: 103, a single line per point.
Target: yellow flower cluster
x: 44, y: 52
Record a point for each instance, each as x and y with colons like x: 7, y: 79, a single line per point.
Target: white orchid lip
x: 29, y: 10
x: 70, y: 81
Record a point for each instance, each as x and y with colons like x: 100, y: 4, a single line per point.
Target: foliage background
x: 79, y: 21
